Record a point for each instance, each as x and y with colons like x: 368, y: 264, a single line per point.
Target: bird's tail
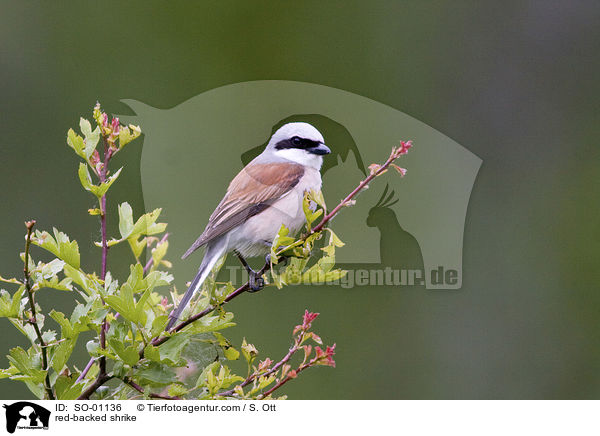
x: 212, y: 255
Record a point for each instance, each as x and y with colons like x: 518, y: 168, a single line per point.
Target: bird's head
x: 300, y: 143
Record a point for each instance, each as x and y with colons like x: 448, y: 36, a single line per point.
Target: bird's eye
x: 296, y: 141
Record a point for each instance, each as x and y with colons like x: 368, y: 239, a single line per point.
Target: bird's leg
x: 255, y: 280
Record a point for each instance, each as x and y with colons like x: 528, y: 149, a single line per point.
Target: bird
x: 265, y: 194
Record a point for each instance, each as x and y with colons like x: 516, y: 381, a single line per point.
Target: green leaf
x: 203, y: 378
x: 88, y: 185
x: 334, y: 240
x: 49, y: 336
x: 128, y: 134
x: 310, y: 202
x: 137, y: 246
x: 53, y: 283
x: 84, y: 315
x: 170, y: 351
x: 9, y: 372
x: 228, y: 350
x: 9, y: 307
x: 158, y: 253
x: 15, y: 305
x: 155, y: 374
x: 226, y: 379
x: 281, y: 240
x: 62, y: 353
x: 231, y: 353
x: 135, y: 282
x: 84, y: 177
x: 124, y: 302
x: 129, y: 354
x: 140, y: 313
x: 45, y: 271
x: 158, y: 278
x: 151, y: 352
x: 147, y: 225
x: 67, y: 389
x: 177, y: 390
x: 158, y: 325
x: 125, y: 220
x: 88, y: 283
x: 210, y: 324
x: 60, y: 245
x: 26, y: 328
x: 23, y: 362
x: 66, y: 328
x: 76, y: 143
x: 104, y: 186
x: 249, y: 352
x: 91, y: 137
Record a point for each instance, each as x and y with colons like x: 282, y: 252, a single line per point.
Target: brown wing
x: 253, y: 190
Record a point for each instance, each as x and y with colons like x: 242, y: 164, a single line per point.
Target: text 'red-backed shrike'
x: 267, y: 193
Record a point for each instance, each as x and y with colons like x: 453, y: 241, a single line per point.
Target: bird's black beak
x: 320, y: 149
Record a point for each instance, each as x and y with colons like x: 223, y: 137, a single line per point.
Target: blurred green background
x: 514, y: 82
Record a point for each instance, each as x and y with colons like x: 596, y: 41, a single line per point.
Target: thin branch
x: 102, y: 375
x: 100, y: 380
x: 293, y: 349
x: 93, y: 359
x: 158, y: 340
x: 102, y: 176
x: 86, y: 370
x: 283, y: 381
x: 33, y: 319
x: 103, y: 213
x: 138, y: 388
x: 396, y: 153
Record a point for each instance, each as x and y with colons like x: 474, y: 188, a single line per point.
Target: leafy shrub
x: 129, y: 317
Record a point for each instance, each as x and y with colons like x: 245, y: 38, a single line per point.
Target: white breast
x: 254, y: 237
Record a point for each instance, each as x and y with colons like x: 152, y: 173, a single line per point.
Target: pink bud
x: 404, y: 146
x: 115, y: 126
x: 265, y: 364
x: 309, y: 317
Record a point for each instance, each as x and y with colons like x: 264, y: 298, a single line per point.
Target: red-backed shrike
x: 267, y: 193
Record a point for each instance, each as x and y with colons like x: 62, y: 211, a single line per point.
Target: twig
x: 86, y: 370
x: 239, y: 291
x: 102, y: 176
x: 100, y: 380
x: 102, y: 375
x: 284, y: 380
x: 93, y: 359
x: 141, y: 390
x: 396, y: 153
x: 33, y: 319
x: 293, y: 349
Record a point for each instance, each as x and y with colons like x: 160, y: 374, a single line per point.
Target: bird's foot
x: 255, y: 281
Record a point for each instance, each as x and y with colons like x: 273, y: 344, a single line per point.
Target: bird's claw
x: 255, y: 282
